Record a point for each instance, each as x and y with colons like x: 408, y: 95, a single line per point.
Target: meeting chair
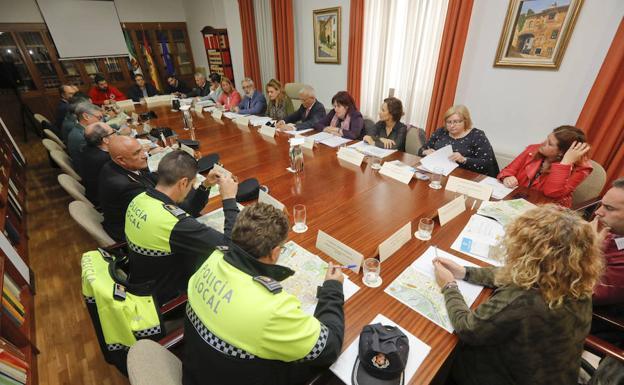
x: 62, y: 159
x: 90, y: 220
x: 51, y: 135
x: 51, y: 145
x: 73, y: 188
x: 369, y: 126
x: 612, y: 363
x: 591, y: 187
x: 149, y: 363
x: 292, y: 90
x: 414, y: 140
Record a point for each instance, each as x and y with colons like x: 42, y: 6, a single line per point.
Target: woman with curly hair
x: 531, y: 330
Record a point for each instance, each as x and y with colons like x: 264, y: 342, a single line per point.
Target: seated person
x: 176, y: 87
x: 87, y: 113
x: 253, y: 102
x: 215, y: 87
x: 471, y: 148
x: 244, y: 329
x: 71, y: 119
x: 280, y: 106
x: 555, y: 167
x: 531, y: 330
x: 229, y: 98
x: 166, y: 245
x: 66, y: 92
x: 344, y: 120
x: 93, y: 157
x: 101, y: 93
x: 124, y: 177
x: 141, y: 89
x: 202, y: 88
x: 308, y: 114
x: 388, y: 132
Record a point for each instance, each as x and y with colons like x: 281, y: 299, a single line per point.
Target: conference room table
x: 356, y: 205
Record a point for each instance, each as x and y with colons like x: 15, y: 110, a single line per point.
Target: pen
x: 343, y: 267
x: 435, y: 251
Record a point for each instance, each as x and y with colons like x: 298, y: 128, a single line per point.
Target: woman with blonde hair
x: 471, y: 148
x: 531, y: 330
x: 280, y: 105
x: 229, y: 98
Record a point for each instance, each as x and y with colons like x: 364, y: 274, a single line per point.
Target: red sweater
x: 229, y: 101
x: 610, y: 290
x: 558, y: 183
x: 112, y: 93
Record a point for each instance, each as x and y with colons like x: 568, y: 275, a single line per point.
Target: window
x: 10, y: 53
x: 554, y: 34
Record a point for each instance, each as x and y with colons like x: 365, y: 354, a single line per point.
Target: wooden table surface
x: 355, y: 205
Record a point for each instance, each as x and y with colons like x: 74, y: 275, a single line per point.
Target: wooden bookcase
x: 13, y: 215
x: 217, y: 46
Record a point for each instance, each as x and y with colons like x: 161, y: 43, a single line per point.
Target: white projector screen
x: 84, y: 28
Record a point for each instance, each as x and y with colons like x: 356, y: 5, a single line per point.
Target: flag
x: 166, y: 57
x: 151, y: 67
x: 132, y: 56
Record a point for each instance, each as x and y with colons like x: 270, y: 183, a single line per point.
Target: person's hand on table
x: 334, y: 273
x: 388, y: 143
x: 510, y: 181
x: 235, y: 109
x: 332, y: 130
x: 280, y: 125
x: 428, y: 151
x: 457, y: 157
x: 443, y: 275
x: 368, y: 139
x: 456, y: 269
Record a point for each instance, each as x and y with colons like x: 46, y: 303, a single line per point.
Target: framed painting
x: 536, y: 33
x: 327, y: 35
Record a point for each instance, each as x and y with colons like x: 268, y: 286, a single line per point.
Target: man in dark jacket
x: 176, y: 87
x: 93, y: 157
x: 66, y: 92
x: 310, y: 111
x: 242, y: 328
x: 141, y: 89
x: 124, y: 177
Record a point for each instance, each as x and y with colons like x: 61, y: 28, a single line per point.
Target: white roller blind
x: 84, y: 28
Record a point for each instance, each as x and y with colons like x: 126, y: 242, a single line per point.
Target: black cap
x: 382, y: 356
x: 207, y: 162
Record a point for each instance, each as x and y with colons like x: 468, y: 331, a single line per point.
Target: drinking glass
x: 425, y: 228
x: 375, y: 163
x: 299, y: 212
x: 372, y: 272
x: 436, y: 179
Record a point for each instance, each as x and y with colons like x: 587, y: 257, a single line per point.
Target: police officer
x: 242, y: 328
x: 165, y: 243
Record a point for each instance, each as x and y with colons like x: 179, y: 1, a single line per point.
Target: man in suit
x: 254, y: 103
x: 70, y: 119
x: 87, y: 113
x: 141, y: 89
x: 66, y: 92
x: 176, y: 87
x: 310, y: 111
x: 94, y: 156
x: 203, y: 87
x: 124, y: 177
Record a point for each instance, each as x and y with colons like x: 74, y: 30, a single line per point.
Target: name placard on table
x: 217, y: 114
x: 339, y: 251
x: 395, y: 242
x: 470, y: 188
x: 350, y: 155
x: 264, y: 197
x: 267, y: 130
x: 243, y: 121
x: 452, y: 209
x: 401, y: 174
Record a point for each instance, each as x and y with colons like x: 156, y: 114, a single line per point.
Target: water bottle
x: 296, y: 158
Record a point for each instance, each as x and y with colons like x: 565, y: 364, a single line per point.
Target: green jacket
x: 514, y: 337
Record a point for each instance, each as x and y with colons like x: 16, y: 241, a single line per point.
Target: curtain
x: 250, y: 47
x: 264, y: 36
x: 401, y: 44
x: 283, y: 40
x: 601, y: 117
x: 356, y: 35
x: 449, y: 61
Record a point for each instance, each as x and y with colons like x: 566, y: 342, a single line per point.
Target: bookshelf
x: 18, y: 350
x: 217, y: 46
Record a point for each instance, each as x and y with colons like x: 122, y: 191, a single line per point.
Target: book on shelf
x: 12, y: 349
x: 11, y: 286
x: 11, y: 358
x: 13, y: 372
x: 11, y: 313
x: 14, y: 301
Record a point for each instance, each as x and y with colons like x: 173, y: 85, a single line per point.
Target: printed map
x: 215, y: 219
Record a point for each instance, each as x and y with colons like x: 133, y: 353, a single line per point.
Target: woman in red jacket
x: 229, y: 98
x: 555, y: 167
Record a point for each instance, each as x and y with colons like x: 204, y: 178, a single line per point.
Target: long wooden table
x: 355, y: 205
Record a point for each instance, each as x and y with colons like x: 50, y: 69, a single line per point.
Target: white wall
x: 21, y: 11
x: 517, y: 107
x: 137, y: 11
x: 327, y: 79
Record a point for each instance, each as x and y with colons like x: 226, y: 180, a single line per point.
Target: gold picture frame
x: 536, y: 33
x: 327, y: 35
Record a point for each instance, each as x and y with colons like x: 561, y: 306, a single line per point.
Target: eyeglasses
x: 109, y: 134
x: 453, y: 122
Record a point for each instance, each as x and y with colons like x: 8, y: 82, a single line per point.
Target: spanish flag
x: 151, y: 67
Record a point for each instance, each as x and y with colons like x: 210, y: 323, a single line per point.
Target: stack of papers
x: 259, y: 120
x: 418, y: 351
x: 480, y: 238
x: 439, y: 160
x: 505, y: 211
x: 416, y: 287
x: 499, y: 191
x: 320, y: 136
x: 371, y: 150
x: 335, y: 141
x: 232, y: 115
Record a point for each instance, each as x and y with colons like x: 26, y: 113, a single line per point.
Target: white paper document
x: 416, y: 288
x: 154, y: 160
x: 232, y: 115
x: 259, y: 120
x: 371, y: 150
x: 320, y: 136
x: 300, y: 132
x: 418, y: 351
x: 215, y: 219
x: 478, y: 238
x: 439, y: 160
x: 310, y: 272
x: 335, y: 141
x: 499, y: 190
x: 505, y: 211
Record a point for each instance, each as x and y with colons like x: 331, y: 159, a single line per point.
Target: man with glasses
x: 310, y: 111
x: 94, y: 156
x: 87, y: 114
x: 253, y: 103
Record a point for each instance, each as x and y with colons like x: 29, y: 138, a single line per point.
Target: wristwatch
x: 449, y: 285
